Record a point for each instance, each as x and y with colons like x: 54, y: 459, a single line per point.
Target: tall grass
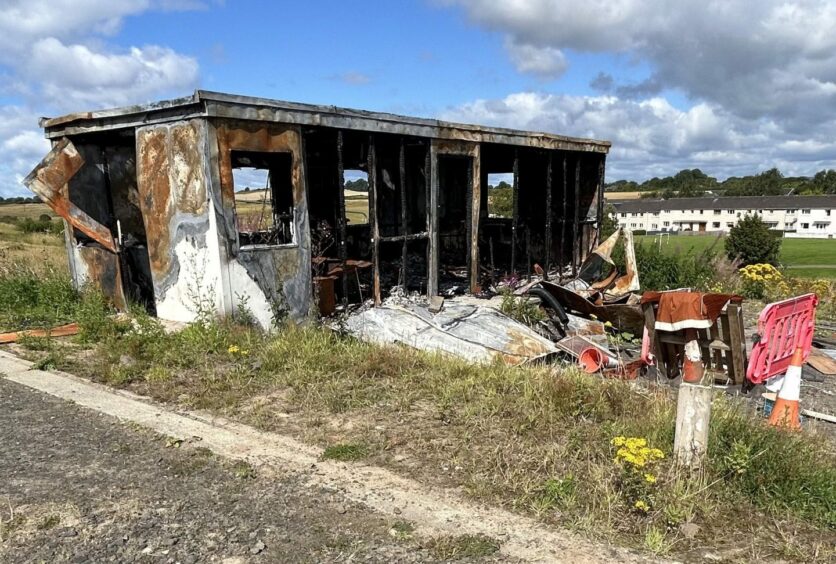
x: 535, y: 439
x: 34, y: 297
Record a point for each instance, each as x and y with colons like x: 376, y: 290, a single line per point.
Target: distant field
x: 622, y: 195
x: 809, y: 258
x: 356, y: 205
x: 24, y: 210
x: 37, y: 250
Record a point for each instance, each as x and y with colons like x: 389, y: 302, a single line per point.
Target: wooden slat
x: 822, y: 362
x: 655, y: 345
x: 737, y: 339
x: 728, y: 357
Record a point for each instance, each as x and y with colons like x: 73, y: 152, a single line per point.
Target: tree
x: 608, y: 224
x: 357, y: 185
x: 753, y: 242
x: 824, y: 182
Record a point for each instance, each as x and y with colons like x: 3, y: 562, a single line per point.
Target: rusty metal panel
x: 49, y: 180
x: 99, y: 268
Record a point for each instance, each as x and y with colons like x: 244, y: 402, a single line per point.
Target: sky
x: 731, y: 87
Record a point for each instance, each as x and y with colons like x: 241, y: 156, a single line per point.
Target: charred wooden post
x: 515, y: 214
x: 341, y: 231
x: 547, y: 260
x: 432, y: 220
x: 527, y: 252
x: 563, y: 222
x: 600, y: 211
x: 493, y: 264
x: 576, y: 249
x: 475, y: 183
x: 468, y: 228
x: 372, y: 172
x: 404, y: 227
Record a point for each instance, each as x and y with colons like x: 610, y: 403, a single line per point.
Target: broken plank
x: 60, y: 331
x: 822, y: 362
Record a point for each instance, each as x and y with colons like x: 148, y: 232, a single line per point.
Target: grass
x: 344, y: 452
x: 463, y: 547
x: 536, y: 440
x: 25, y: 210
x: 795, y: 253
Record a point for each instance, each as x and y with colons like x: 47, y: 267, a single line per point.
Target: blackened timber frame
x: 547, y: 260
x: 577, y: 245
x: 600, y: 211
x: 516, y: 211
x: 563, y: 221
x: 404, y: 225
x: 341, y: 230
x: 473, y: 151
x: 373, y: 225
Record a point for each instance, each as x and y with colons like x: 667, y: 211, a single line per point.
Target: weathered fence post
x: 693, y: 406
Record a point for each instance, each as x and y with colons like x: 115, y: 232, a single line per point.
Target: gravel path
x: 78, y: 486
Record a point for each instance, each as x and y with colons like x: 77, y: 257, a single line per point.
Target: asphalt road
x: 77, y: 486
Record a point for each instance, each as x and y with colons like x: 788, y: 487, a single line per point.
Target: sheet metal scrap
x: 625, y: 317
x: 591, y: 281
x: 475, y: 333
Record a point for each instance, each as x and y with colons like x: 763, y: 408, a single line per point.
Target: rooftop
x: 204, y: 103
x: 731, y: 203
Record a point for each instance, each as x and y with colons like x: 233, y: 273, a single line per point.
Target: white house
x: 796, y: 216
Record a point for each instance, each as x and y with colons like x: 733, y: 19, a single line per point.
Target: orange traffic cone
x: 785, y: 411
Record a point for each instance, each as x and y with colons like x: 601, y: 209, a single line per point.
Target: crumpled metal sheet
x: 476, y: 333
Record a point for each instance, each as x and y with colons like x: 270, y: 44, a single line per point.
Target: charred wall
x: 174, y: 188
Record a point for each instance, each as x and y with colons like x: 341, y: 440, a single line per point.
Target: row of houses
x: 795, y: 216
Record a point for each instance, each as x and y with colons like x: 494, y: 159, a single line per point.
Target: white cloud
x: 764, y: 58
x: 653, y: 138
x: 74, y: 76
x: 544, y: 62
x: 760, y: 77
x: 55, y: 58
x: 21, y: 145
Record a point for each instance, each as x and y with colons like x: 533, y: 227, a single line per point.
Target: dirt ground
x: 82, y: 487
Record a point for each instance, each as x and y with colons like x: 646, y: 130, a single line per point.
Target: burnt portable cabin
x: 155, y: 211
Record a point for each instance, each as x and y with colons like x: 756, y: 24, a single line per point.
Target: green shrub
x: 29, y: 225
x: 668, y: 271
x: 752, y: 242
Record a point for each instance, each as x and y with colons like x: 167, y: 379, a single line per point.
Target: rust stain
x: 522, y: 345
x: 243, y: 136
x: 49, y: 180
x: 455, y: 147
x: 103, y: 271
x: 187, y: 169
x: 155, y: 195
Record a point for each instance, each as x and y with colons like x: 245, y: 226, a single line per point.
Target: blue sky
x: 731, y: 87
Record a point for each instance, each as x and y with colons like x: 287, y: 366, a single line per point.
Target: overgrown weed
x: 536, y: 439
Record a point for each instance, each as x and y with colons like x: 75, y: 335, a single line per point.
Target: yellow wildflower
x: 641, y: 505
x: 650, y: 478
x: 233, y: 349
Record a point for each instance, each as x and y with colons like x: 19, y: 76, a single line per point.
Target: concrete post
x: 693, y: 407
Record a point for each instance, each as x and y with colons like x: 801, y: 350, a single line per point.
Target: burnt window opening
x: 501, y: 195
x: 356, y: 192
x: 263, y: 197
